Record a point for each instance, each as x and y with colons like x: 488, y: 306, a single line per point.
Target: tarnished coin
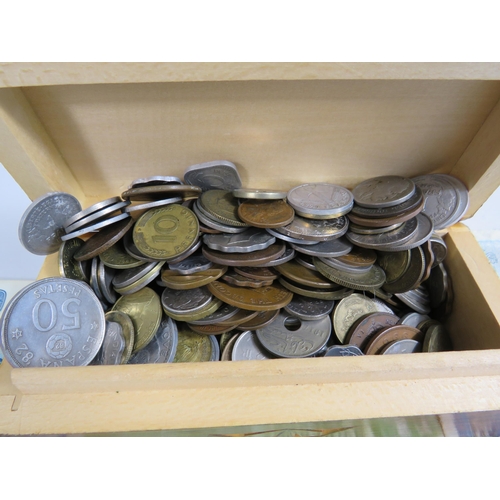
x: 346, y: 268
x: 365, y: 328
x: 423, y: 233
x: 289, y: 337
x: 315, y: 293
x: 162, y: 348
x: 382, y: 192
x: 236, y: 279
x: 251, y: 240
x: 240, y: 317
x: 320, y: 199
x: 185, y: 301
x: 308, y: 309
x: 99, y: 215
x: 144, y: 309
x: 41, y: 227
x: 116, y: 257
x: 154, y: 193
x: 155, y: 180
x: 191, y: 265
x: 97, y: 227
x: 192, y: 347
x: 187, y: 282
x: 220, y: 174
x: 224, y: 313
x: 105, y: 276
x: 94, y: 283
x: 437, y: 285
x: 348, y: 311
x: 53, y: 322
x: 359, y: 257
x: 270, y: 253
x: 405, y: 346
x: 211, y: 329
x: 314, y: 229
x: 332, y: 248
x: 166, y: 232
x: 132, y: 250
x: 248, y: 347
x: 356, y: 228
x: 303, y: 276
x: 343, y: 350
x: 69, y: 267
x: 222, y: 206
x: 139, y: 207
x: 266, y: 213
x: 436, y: 339
x: 289, y: 239
x: 394, y: 264
x: 191, y: 316
x: 374, y: 223
x: 128, y: 277
x: 388, y: 335
x: 127, y: 329
x: 257, y: 273
x: 187, y: 253
x: 227, y: 350
x: 252, y: 299
x: 259, y: 194
x: 113, y: 345
x: 411, y: 278
x: 262, y: 319
x: 214, y: 224
x: 439, y: 249
x: 413, y: 302
x: 287, y: 256
x: 413, y: 319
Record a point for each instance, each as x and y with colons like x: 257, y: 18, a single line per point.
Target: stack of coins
x: 205, y: 270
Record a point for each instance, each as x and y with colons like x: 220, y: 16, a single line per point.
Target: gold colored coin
x: 145, y: 311
x: 266, y: 213
x: 166, y: 232
x: 202, y: 313
x: 172, y: 279
x: 223, y: 206
x: 304, y: 276
x: 251, y: 299
x: 359, y: 256
x: 192, y: 347
x: 117, y: 258
x: 394, y: 264
x: 236, y: 279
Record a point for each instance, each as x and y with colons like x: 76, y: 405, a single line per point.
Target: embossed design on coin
x: 348, y: 311
x: 320, y: 199
x: 219, y: 174
x: 344, y: 350
x: 59, y: 345
x: 247, y: 347
x: 382, y: 192
x: 250, y: 240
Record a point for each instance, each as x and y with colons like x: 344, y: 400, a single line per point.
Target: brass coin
x: 245, y: 259
x: 228, y: 348
x: 411, y: 278
x: 436, y: 339
x: 315, y: 293
x: 266, y: 213
x: 127, y: 330
x: 104, y: 239
x: 187, y: 282
x: 391, y: 334
x: 359, y: 257
x: 152, y: 193
x: 366, y: 327
x: 304, y: 276
x: 224, y: 340
x: 262, y: 319
x: 394, y: 264
x: 192, y: 347
x: 236, y: 279
x: 195, y: 316
x: 211, y: 329
x: 117, y: 258
x: 252, y: 299
x: 68, y: 266
x: 166, y: 232
x: 257, y: 273
x: 223, y: 206
x: 145, y: 311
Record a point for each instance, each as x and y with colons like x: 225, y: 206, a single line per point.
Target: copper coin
x: 391, y: 334
x: 245, y: 259
x: 359, y: 257
x: 257, y: 273
x: 262, y: 319
x: 266, y: 213
x: 236, y: 279
x: 365, y: 328
x: 252, y: 299
x: 190, y: 281
x: 103, y: 240
x: 302, y: 275
x: 386, y: 221
x: 152, y: 193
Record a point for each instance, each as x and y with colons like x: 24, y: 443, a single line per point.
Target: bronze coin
x: 387, y: 221
x: 252, y: 299
x: 359, y: 257
x: 303, y: 276
x: 245, y: 259
x: 236, y: 279
x: 316, y: 293
x: 257, y: 273
x: 210, y: 329
x: 103, y: 240
x: 240, y: 317
x: 391, y: 334
x: 171, y: 279
x: 262, y: 319
x: 266, y: 213
x: 365, y: 328
x: 411, y: 278
x: 152, y: 193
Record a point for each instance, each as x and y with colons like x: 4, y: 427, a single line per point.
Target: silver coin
x: 424, y: 232
x: 382, y: 192
x: 250, y: 240
x: 439, y: 249
x: 321, y: 199
x: 379, y: 241
x: 382, y: 306
x: 132, y: 250
x: 191, y: 265
x: 219, y: 174
x: 413, y: 319
x: 289, y: 337
x: 141, y: 282
x: 96, y: 216
x: 224, y: 313
x: 215, y: 349
x: 41, y: 227
x: 314, y: 229
x: 259, y: 194
x: 286, y: 257
x: 288, y: 239
x: 105, y: 276
x: 185, y: 301
x: 333, y: 248
x: 112, y: 346
x: 247, y: 347
x: 130, y: 276
x: 95, y: 227
x: 94, y: 282
x: 53, y: 322
x: 155, y: 180
x: 405, y: 346
x: 412, y: 302
x: 163, y: 346
x: 90, y: 210
x: 190, y: 251
x: 309, y: 309
x: 356, y: 228
x: 204, y: 219
x: 341, y: 266
x: 463, y: 199
x: 348, y: 311
x: 344, y: 350
x: 152, y: 204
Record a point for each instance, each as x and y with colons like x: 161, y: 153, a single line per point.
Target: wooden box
x: 90, y: 129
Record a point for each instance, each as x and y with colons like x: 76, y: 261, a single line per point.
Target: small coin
x: 248, y: 347
x: 220, y: 174
x: 266, y: 213
x: 308, y: 309
x: 155, y: 180
x: 192, y: 347
x: 189, y: 317
x: 69, y: 267
x: 315, y: 230
x: 225, y: 312
x: 245, y: 259
x: 211, y: 329
x: 436, y: 339
x: 105, y: 276
x: 348, y: 311
x: 344, y: 350
x: 356, y: 228
x: 138, y: 207
x: 184, y: 255
x: 405, y: 346
x: 127, y: 328
x: 423, y: 233
x: 215, y: 225
x: 289, y: 239
x: 346, y: 268
x: 90, y: 210
x: 437, y: 285
x: 259, y: 194
x: 99, y: 215
x: 439, y: 249
x: 236, y: 279
x: 257, y: 273
x: 187, y: 282
x: 332, y: 248
x: 250, y: 240
x: 128, y: 277
x: 413, y: 319
x: 315, y: 293
x: 286, y: 257
x: 41, y: 227
x: 191, y: 265
x: 116, y: 257
x: 185, y: 301
x: 240, y: 317
x: 394, y: 264
x: 228, y: 348
x: 366, y: 327
x: 382, y: 192
x: 390, y: 334
x: 320, y: 199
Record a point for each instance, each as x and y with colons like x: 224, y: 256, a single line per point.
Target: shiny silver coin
x: 162, y: 348
x: 112, y: 346
x: 424, y: 232
x: 288, y: 239
x: 356, y: 228
x: 344, y: 350
x: 41, y: 227
x: 215, y: 356
x: 207, y: 221
x: 224, y: 313
x: 96, y: 216
x: 151, y: 204
x: 185, y: 301
x: 341, y: 266
x: 289, y: 337
x: 53, y: 322
x: 219, y: 174
x: 95, y: 227
x: 405, y: 346
x: 309, y: 309
x: 382, y: 192
x: 155, y: 180
x: 333, y: 248
x: 90, y: 210
x: 439, y: 249
x: 130, y: 276
x: 380, y: 241
x: 142, y: 282
x: 250, y: 240
x: 413, y: 319
x: 248, y: 347
x: 259, y: 194
x: 315, y: 230
x: 191, y: 265
x: 105, y: 276
x: 286, y: 257
x: 320, y: 199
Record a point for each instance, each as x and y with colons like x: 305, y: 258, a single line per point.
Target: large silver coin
x: 185, y: 301
x: 191, y: 265
x: 296, y: 338
x: 250, y: 240
x: 344, y: 350
x: 90, y: 210
x: 224, y: 313
x: 424, y: 232
x: 348, y: 311
x: 309, y: 309
x: 332, y: 248
x: 321, y: 199
x: 162, y: 348
x: 53, y: 322
x: 219, y: 174
x: 247, y: 347
x: 382, y: 192
x: 96, y: 216
x: 405, y: 346
x: 112, y: 346
x: 259, y: 194
x: 314, y: 229
x: 42, y: 225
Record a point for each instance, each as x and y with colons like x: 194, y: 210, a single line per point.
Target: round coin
x: 185, y: 301
x: 332, y: 248
x: 344, y: 350
x: 192, y: 347
x: 248, y: 347
x: 308, y: 309
x: 320, y: 199
x: 155, y: 180
x: 299, y: 274
x: 388, y: 335
x: 382, y: 192
x: 154, y: 193
x: 436, y: 339
x: 412, y: 276
x: 405, y: 346
x: 259, y: 194
x: 220, y: 174
x: 250, y: 240
x: 262, y: 319
x: 127, y: 331
x: 116, y: 257
x: 222, y: 206
x: 365, y: 328
x: 69, y: 267
x: 348, y: 311
x: 266, y: 213
x: 315, y: 230
x: 245, y: 259
x: 96, y: 227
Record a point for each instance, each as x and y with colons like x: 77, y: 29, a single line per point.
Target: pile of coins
x: 202, y: 269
